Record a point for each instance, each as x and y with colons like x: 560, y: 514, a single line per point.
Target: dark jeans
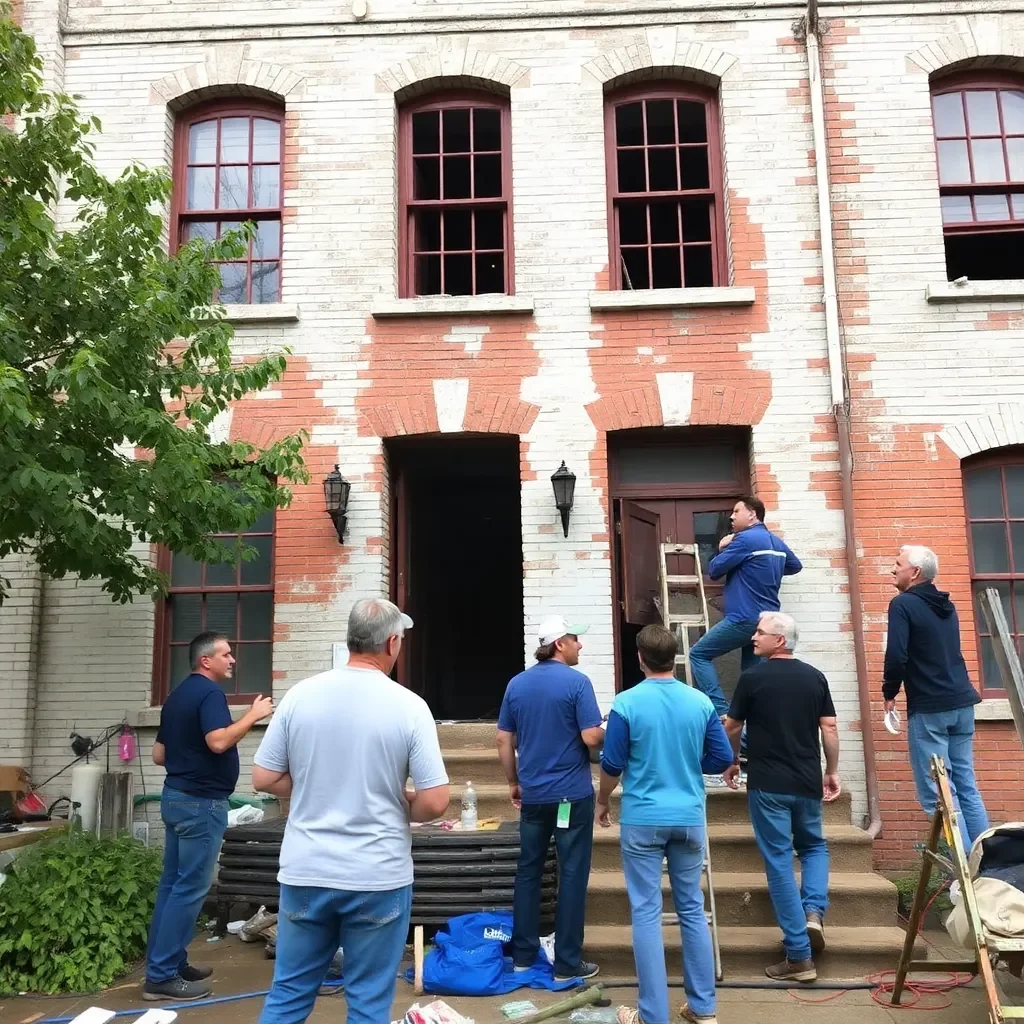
x: 194, y: 827
x: 573, y: 846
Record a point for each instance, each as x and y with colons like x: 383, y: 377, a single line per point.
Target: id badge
x: 564, y: 809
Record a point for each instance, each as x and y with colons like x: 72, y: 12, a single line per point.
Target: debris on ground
x: 437, y: 1012
x: 518, y: 1008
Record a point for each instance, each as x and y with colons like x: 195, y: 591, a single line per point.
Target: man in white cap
x: 551, y: 716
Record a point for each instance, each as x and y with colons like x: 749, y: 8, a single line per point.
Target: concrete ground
x: 241, y: 967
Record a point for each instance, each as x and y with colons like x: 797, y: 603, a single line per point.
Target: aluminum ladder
x: 681, y: 624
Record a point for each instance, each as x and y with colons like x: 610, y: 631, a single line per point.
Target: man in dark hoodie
x: 753, y: 562
x: 923, y: 654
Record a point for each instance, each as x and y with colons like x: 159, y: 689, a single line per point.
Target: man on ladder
x: 661, y: 736
x: 753, y: 561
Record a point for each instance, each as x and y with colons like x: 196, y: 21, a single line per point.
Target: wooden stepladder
x: 985, y: 949
x: 680, y: 622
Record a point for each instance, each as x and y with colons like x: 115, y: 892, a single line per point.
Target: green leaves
x: 74, y: 913
x: 110, y: 349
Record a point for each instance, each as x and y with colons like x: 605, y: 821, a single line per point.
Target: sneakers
x: 190, y: 973
x: 792, y: 970
x: 816, y: 934
x: 586, y: 970
x: 176, y: 988
x: 685, y: 1013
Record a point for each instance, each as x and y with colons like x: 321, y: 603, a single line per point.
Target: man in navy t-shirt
x: 196, y: 746
x: 550, y: 715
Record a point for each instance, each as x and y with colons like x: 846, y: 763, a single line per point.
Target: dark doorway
x: 670, y: 487
x: 457, y: 569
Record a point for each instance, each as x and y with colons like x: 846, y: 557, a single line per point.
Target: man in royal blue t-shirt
x: 550, y: 715
x: 196, y: 746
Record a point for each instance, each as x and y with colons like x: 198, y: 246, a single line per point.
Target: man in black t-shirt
x: 785, y: 703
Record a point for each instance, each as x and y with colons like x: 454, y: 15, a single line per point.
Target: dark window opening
x: 665, y: 190
x: 456, y: 198
x: 979, y: 147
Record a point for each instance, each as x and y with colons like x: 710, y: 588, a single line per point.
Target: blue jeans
x: 311, y: 924
x: 643, y: 850
x: 194, y: 829
x: 721, y: 638
x: 573, y: 845
x: 950, y: 734
x: 784, y: 823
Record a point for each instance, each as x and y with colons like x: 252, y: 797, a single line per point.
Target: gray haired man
x: 785, y: 704
x: 341, y: 746
x: 922, y: 653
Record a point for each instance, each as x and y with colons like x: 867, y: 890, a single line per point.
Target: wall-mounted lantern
x: 563, y: 482
x: 336, y: 492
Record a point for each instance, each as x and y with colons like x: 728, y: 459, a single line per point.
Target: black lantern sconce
x: 563, y: 482
x: 336, y: 491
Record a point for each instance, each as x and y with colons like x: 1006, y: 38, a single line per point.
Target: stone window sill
x: 975, y: 291
x: 149, y: 718
x: 263, y: 313
x: 450, y: 305
x: 672, y: 298
x: 993, y: 709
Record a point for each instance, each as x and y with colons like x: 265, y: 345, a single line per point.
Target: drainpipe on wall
x: 840, y: 406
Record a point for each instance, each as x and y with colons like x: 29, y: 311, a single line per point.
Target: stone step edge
x: 733, y: 832
x: 846, y: 883
x: 495, y: 790
x: 840, y: 940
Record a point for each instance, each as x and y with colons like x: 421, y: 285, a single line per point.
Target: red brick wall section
x: 907, y: 488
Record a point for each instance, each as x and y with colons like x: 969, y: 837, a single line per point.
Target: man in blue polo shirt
x: 550, y: 715
x: 196, y: 745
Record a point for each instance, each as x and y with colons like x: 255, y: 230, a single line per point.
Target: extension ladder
x: 681, y: 623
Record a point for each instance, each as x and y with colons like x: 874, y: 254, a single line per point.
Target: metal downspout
x: 840, y: 407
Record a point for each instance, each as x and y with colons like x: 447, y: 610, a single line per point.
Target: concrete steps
x: 850, y: 952
x: 856, y: 899
x: 724, y: 807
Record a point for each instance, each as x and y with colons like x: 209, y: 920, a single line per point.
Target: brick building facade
x: 448, y: 413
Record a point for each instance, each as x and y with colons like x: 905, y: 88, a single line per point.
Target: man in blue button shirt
x: 196, y: 745
x: 663, y: 737
x: 753, y: 561
x: 550, y: 715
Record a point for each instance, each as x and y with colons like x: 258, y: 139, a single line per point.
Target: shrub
x: 74, y: 913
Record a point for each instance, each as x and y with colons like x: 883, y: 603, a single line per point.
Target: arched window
x: 664, y: 164
x: 994, y: 494
x: 455, y: 195
x: 979, y: 143
x: 228, y: 161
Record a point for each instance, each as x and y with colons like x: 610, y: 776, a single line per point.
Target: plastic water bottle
x: 469, y: 818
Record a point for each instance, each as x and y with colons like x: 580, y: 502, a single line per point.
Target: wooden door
x: 402, y: 574
x: 640, y: 530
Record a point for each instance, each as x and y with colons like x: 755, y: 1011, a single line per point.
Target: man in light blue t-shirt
x: 550, y: 715
x: 662, y: 735
x: 342, y: 745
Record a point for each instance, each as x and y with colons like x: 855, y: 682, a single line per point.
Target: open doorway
x: 670, y: 486
x: 457, y: 568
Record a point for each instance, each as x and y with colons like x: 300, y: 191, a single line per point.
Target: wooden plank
x: 1005, y: 655
x: 942, y: 966
x: 15, y: 840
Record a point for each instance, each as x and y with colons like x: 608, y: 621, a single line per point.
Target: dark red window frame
x: 164, y: 641
x: 712, y: 196
x: 1009, y: 136
x: 1013, y: 580
x: 413, y: 245
x: 265, y: 252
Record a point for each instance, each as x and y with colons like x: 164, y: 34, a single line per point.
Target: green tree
x: 107, y: 344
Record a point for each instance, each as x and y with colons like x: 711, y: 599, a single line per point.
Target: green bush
x: 74, y: 913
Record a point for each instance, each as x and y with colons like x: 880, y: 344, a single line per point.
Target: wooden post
x: 417, y: 950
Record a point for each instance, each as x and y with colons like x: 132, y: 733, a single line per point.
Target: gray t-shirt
x: 350, y: 738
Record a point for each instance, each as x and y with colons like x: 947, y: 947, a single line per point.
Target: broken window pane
x: 490, y: 229
x: 696, y: 221
x: 698, y: 271
x: 428, y: 275
x: 631, y: 170
x: 458, y: 274
x: 661, y: 122
x: 490, y: 273
x: 634, y: 269
x: 985, y: 257
x: 693, y: 163
x: 667, y: 271
x: 665, y: 222
x: 456, y: 177
x: 426, y: 178
x: 486, y: 130
x: 487, y: 175
x: 693, y: 123
x: 428, y: 231
x: 458, y: 230
x: 426, y: 132
x: 663, y: 175
x: 455, y: 125
x: 633, y: 224
x: 629, y: 127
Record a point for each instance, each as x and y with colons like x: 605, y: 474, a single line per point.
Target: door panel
x: 641, y: 556
x: 402, y: 579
